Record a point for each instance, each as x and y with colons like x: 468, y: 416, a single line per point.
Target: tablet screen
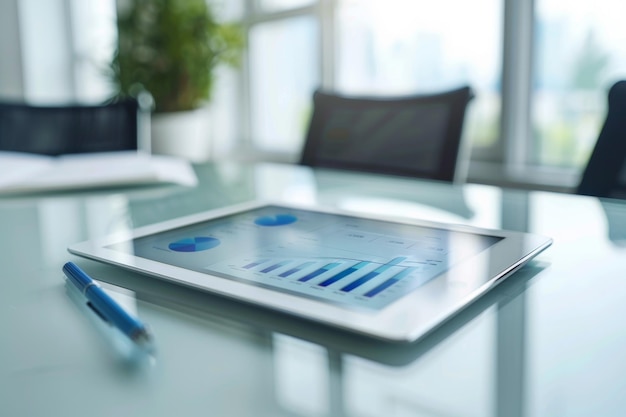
x: 336, y: 258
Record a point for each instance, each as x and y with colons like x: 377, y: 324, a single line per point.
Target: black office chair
x: 417, y: 136
x: 70, y: 129
x: 605, y: 173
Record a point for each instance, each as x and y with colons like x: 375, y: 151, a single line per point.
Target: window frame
x: 504, y: 163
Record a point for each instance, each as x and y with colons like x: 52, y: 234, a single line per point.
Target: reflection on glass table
x: 548, y: 342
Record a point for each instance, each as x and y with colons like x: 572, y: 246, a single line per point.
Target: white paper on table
x: 22, y: 172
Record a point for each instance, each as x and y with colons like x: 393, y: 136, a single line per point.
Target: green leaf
x: 171, y: 49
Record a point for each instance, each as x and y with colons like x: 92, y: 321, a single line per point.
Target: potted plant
x: 171, y: 48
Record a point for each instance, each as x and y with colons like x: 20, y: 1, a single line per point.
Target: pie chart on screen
x: 194, y: 244
x: 277, y: 220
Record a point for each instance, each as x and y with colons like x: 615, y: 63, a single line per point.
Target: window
x: 279, y: 5
x: 284, y: 71
x: 540, y: 70
x: 558, y: 58
x: 404, y: 47
x: 579, y: 53
x: 93, y: 24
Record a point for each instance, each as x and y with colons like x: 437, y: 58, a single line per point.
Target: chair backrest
x: 605, y: 173
x: 57, y: 130
x: 417, y: 136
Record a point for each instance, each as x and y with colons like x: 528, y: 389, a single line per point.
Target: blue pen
x: 107, y: 308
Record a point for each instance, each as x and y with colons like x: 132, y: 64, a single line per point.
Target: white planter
x: 185, y: 134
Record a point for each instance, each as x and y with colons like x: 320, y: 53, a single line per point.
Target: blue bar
x: 255, y: 263
x: 389, y: 282
x: 372, y: 274
x: 396, y: 261
x: 275, y: 266
x: 360, y: 281
x: 381, y: 287
x: 320, y: 271
x: 343, y: 274
x: 296, y: 269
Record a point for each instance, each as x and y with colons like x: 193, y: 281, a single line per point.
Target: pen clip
x: 97, y: 312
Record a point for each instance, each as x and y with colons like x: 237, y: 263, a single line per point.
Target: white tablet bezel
x: 405, y: 320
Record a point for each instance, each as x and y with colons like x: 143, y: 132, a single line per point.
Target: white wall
x: 11, y: 80
x: 45, y: 32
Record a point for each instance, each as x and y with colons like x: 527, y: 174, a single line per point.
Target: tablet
x: 387, y: 278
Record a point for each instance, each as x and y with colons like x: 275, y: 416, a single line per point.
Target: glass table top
x: 549, y: 341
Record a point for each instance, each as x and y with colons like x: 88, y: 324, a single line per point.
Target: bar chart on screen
x: 362, y: 282
x: 339, y: 259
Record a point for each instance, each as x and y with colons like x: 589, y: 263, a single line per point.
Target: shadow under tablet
x: 214, y: 308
